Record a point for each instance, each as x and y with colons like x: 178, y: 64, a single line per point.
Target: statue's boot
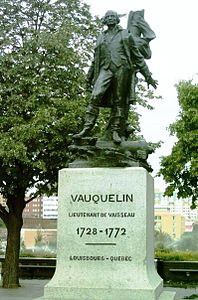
x: 90, y: 119
x: 85, y: 132
x: 117, y: 124
x: 116, y: 138
x: 129, y: 130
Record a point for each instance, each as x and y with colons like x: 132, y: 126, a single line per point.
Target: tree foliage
x: 162, y: 240
x: 180, y: 168
x: 188, y: 240
x: 43, y: 55
x: 45, y: 48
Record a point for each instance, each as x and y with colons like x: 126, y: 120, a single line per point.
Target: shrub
x: 165, y: 254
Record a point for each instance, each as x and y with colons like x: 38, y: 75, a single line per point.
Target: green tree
x: 180, y: 168
x: 162, y: 240
x: 188, y: 240
x: 38, y: 238
x: 45, y: 47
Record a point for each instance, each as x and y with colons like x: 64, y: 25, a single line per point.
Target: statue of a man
x: 115, y: 60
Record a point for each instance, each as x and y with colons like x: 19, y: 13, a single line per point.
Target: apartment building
x: 172, y: 224
x: 173, y: 215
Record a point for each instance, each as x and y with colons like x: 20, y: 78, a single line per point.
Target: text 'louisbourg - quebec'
x: 98, y: 198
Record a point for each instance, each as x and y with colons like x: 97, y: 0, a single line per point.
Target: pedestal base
x: 105, y: 237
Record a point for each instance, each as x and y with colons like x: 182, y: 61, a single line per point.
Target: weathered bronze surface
x: 90, y: 152
x: 119, y: 55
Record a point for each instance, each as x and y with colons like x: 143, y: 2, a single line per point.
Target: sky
x: 174, y: 58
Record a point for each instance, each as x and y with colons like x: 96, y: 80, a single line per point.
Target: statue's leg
x: 117, y: 117
x: 101, y: 85
x: 131, y: 101
x: 121, y: 88
x: 90, y: 119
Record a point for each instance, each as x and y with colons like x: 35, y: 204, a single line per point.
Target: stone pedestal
x: 105, y: 237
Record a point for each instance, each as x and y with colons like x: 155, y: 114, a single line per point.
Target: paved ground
x: 32, y: 289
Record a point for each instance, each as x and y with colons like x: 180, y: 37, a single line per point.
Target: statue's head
x: 111, y: 17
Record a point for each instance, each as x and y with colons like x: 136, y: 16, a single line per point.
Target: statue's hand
x: 147, y: 75
x: 153, y: 82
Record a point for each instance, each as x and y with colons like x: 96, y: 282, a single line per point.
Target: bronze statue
x: 119, y: 55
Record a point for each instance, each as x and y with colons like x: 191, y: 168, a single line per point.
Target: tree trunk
x: 11, y: 263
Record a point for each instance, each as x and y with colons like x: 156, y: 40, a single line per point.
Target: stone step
x: 167, y: 296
